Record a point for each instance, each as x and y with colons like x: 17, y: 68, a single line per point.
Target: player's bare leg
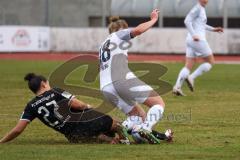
x: 141, y: 123
x: 183, y: 75
x: 106, y: 139
x: 137, y: 111
x: 203, y: 68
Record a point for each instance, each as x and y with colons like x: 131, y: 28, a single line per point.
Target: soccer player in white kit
x: 115, y: 79
x: 197, y: 46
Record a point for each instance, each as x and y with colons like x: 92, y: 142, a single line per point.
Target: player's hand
x: 155, y: 14
x: 218, y: 29
x: 196, y: 38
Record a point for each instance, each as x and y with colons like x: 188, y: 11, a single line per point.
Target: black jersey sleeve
x: 28, y: 114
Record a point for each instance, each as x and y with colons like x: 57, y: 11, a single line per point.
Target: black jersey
x: 45, y: 108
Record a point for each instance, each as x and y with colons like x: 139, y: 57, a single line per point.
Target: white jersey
x: 112, y: 46
x: 196, y: 23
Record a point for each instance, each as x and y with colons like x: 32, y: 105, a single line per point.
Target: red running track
x: 132, y: 57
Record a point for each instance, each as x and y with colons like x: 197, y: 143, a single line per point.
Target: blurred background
x: 95, y: 13
x: 80, y: 25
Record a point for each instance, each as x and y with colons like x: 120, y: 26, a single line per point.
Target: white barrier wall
x: 24, y: 39
x: 72, y: 39
x: 37, y: 39
x: 154, y: 41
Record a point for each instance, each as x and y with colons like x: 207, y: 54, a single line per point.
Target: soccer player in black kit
x: 50, y: 105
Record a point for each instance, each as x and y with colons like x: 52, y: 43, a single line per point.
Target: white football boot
x: 169, y: 135
x: 178, y: 92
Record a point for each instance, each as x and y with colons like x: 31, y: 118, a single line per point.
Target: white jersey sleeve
x: 192, y: 15
x: 196, y: 22
x: 124, y: 35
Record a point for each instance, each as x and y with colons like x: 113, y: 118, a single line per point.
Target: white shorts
x: 126, y: 95
x: 198, y: 49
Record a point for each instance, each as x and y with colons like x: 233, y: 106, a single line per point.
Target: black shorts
x: 90, y: 128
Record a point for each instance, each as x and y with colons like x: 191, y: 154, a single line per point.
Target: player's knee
x: 212, y: 62
x: 160, y: 102
x: 189, y: 67
x: 151, y: 101
x: 189, y: 64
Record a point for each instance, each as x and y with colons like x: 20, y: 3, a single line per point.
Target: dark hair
x: 34, y: 81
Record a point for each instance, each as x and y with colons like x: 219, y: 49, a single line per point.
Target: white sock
x: 182, y: 76
x: 131, y: 121
x: 205, y: 67
x: 154, y: 114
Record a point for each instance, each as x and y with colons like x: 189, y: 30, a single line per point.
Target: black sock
x: 159, y: 135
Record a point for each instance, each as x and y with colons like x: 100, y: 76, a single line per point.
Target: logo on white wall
x: 21, y: 38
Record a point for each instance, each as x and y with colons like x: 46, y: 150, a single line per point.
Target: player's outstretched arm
x: 218, y: 29
x: 15, y: 132
x: 78, y: 105
x: 147, y: 25
x: 214, y: 29
x: 209, y: 28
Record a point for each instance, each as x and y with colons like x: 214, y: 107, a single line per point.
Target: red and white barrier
x: 24, y: 39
